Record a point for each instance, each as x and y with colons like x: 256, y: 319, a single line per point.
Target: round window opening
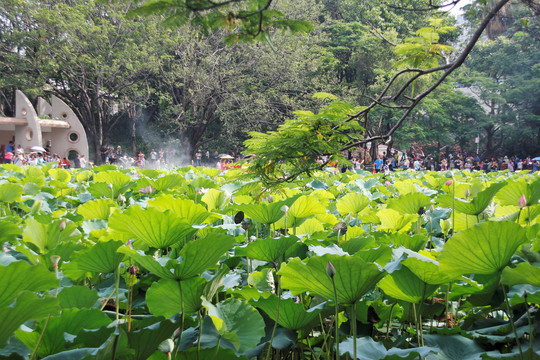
x: 29, y: 134
x: 64, y: 115
x: 72, y: 154
x: 73, y: 137
x: 23, y: 112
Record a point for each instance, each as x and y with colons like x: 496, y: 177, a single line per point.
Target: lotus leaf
x: 237, y: 322
x: 478, y: 203
x: 146, y: 336
x: 523, y: 273
x: 352, y: 203
x: 306, y: 206
x: 391, y: 220
x: 186, y: 209
x: 266, y: 213
x: 309, y: 227
x: 8, y: 231
x: 292, y: 316
x: 100, y: 258
x: 96, y: 209
x: 10, y: 192
x: 485, y: 248
x: 77, y: 297
x: 511, y: 193
x: 425, y: 267
x: 155, y: 228
x: 409, y: 203
x: 60, y: 175
x: 268, y: 249
x: 195, y: 257
x: 28, y: 306
x: 19, y: 276
x: 403, y: 284
x: 71, y: 321
x: 102, y: 180
x: 369, y: 349
x: 216, y: 199
x: 163, y: 297
x: 354, y: 277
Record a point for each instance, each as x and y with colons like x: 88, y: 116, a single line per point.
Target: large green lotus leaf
x: 306, y: 206
x: 453, y: 347
x: 462, y: 221
x: 77, y: 297
x: 409, y: 203
x: 426, y: 268
x: 523, y: 273
x: 100, y: 258
x: 45, y: 237
x: 60, y: 175
x: 146, y: 336
x: 478, y: 203
x: 380, y: 255
x: 354, y: 277
x: 163, y: 297
x: 369, y: 349
x: 19, y: 276
x: 414, y: 243
x: 96, y: 209
x: 161, y: 268
x: 166, y: 182
x: 186, y: 209
x: 403, y: 284
x: 353, y: 245
x: 391, y: 220
x: 216, y: 199
x: 485, y: 248
x: 511, y: 193
x: 238, y: 322
x: 71, y: 321
x: 309, y: 227
x: 292, y: 315
x: 8, y: 231
x: 268, y: 249
x: 28, y: 306
x: 10, y: 192
x: 102, y: 180
x: 352, y: 203
x: 195, y: 257
x: 155, y: 228
x: 203, y: 182
x: 266, y: 213
x: 408, y: 186
x: 84, y: 175
x: 202, y: 254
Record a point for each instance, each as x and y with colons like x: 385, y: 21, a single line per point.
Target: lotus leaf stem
x: 181, y: 319
x: 336, y: 317
x: 34, y: 352
x: 512, y: 322
x: 390, y: 319
x: 277, y: 318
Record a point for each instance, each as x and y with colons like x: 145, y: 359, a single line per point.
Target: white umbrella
x: 38, y: 149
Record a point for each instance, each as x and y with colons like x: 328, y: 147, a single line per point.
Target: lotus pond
x: 195, y: 264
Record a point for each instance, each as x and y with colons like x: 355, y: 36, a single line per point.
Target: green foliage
x: 296, y: 146
x: 241, y: 295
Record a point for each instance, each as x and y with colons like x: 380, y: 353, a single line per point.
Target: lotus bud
x: 110, y: 186
x: 121, y: 198
x: 432, y: 208
x: 522, y: 202
x: 387, y: 183
x: 133, y: 270
x: 55, y: 259
x: 330, y: 270
x: 448, y: 182
x: 166, y: 346
x: 62, y: 225
x: 253, y: 238
x: 270, y: 198
x: 467, y: 193
x: 285, y: 208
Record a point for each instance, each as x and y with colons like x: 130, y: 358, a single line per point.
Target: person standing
x: 198, y: 157
x: 378, y: 163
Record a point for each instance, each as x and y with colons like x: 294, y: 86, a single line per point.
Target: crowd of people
x: 9, y: 154
x: 450, y: 161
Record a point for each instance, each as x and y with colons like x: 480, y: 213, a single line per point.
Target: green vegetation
x: 192, y: 263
